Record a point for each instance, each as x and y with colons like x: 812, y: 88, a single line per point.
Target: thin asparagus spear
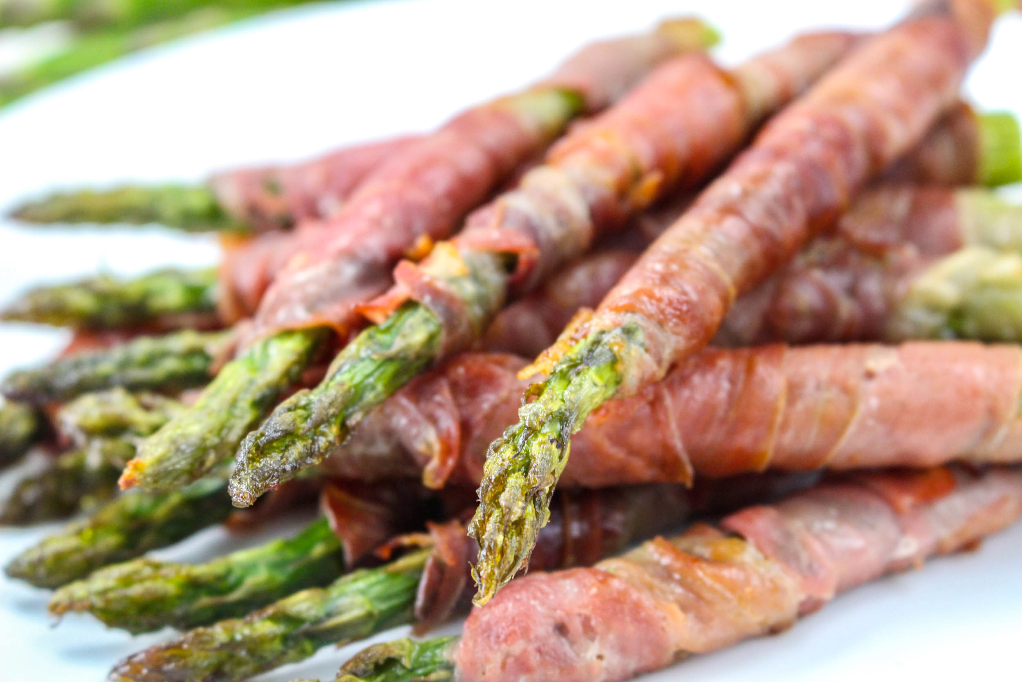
x: 74, y: 481
x: 104, y: 425
x: 116, y: 413
x: 145, y: 595
x: 174, y: 361
x: 123, y: 529
x: 106, y: 302
x: 291, y: 630
x: 202, y: 437
x: 192, y: 208
x: 308, y: 425
x: 402, y: 660
x: 19, y: 425
x: 95, y: 48
x: 92, y: 14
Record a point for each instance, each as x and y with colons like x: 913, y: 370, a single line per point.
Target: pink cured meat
x: 706, y: 590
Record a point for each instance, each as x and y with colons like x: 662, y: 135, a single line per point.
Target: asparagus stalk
x: 402, y: 660
x: 105, y: 426
x: 19, y: 426
x: 74, y: 481
x: 192, y: 208
x: 523, y: 465
x: 93, y: 49
x: 115, y: 413
x: 197, y: 440
x: 92, y: 14
x: 290, y: 630
x: 307, y: 426
x: 123, y: 529
x: 106, y: 302
x: 145, y: 595
x: 174, y: 361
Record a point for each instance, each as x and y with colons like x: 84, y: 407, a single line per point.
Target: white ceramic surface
x: 288, y: 85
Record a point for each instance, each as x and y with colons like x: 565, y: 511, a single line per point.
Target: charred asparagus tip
x: 1000, y: 156
x: 523, y: 465
x: 402, y: 660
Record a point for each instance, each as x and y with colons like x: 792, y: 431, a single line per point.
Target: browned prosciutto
x: 865, y: 280
x: 711, y: 587
x: 423, y: 193
x: 719, y: 413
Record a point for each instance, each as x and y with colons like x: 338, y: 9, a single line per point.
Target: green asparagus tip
x: 167, y: 298
x: 188, y: 208
x: 1000, y: 161
x: 174, y: 361
x: 307, y: 427
x: 523, y: 465
x: 402, y: 660
x: 208, y: 434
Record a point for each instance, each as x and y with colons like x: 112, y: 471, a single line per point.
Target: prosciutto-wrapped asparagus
x: 682, y: 122
x: 431, y: 582
x: 718, y: 413
x: 245, y: 199
x: 754, y: 574
x: 419, y: 195
x: 798, y: 176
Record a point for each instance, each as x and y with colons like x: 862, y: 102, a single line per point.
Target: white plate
x: 287, y: 86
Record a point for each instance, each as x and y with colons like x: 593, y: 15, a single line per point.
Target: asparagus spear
x: 93, y: 49
x: 92, y: 14
x: 174, y: 361
x: 206, y: 435
x: 115, y: 413
x: 74, y: 481
x: 402, y: 660
x: 192, y: 208
x: 145, y: 595
x: 290, y: 630
x: 19, y: 425
x: 107, y: 302
x: 104, y: 425
x: 308, y: 425
x: 123, y: 529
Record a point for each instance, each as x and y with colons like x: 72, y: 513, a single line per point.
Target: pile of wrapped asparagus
x: 781, y: 298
